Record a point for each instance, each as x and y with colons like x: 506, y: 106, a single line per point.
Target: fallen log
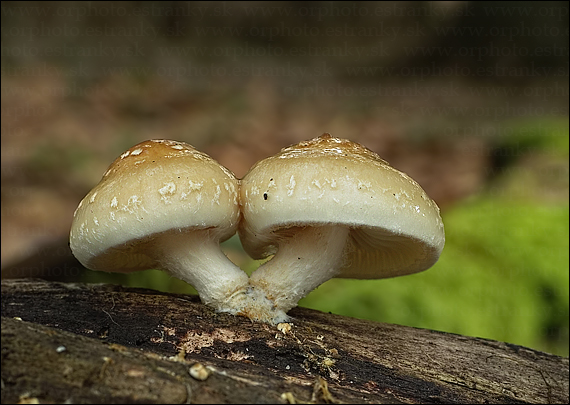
x: 71, y: 342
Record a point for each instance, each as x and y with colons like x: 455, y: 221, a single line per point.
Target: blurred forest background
x: 469, y: 98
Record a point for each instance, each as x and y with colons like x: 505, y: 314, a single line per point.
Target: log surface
x: 87, y: 343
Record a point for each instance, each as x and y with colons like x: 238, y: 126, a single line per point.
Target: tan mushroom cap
x: 396, y: 229
x: 157, y: 186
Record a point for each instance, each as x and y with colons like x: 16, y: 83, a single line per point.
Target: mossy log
x: 85, y: 343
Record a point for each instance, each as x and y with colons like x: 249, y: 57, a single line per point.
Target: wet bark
x: 108, y: 344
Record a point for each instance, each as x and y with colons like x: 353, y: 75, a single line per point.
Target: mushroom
x: 330, y: 207
x: 163, y: 204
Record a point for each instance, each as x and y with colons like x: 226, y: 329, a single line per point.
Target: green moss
x: 531, y: 136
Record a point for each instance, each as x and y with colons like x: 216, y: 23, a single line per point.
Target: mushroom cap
x: 157, y: 186
x: 395, y: 228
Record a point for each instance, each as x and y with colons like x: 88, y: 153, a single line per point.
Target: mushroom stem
x: 196, y: 257
x: 303, y: 262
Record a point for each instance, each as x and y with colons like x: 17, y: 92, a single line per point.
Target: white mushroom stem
x: 196, y: 257
x: 303, y: 262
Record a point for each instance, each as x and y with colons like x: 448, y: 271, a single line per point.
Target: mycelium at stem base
x: 303, y: 262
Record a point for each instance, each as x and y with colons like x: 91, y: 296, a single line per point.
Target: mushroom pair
x: 325, y: 208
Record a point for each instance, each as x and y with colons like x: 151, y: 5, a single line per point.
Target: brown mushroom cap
x: 395, y: 228
x: 155, y: 187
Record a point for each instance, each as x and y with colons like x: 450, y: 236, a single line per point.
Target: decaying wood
x: 108, y: 344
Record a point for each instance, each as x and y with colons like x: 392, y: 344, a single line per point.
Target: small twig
x: 108, y: 314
